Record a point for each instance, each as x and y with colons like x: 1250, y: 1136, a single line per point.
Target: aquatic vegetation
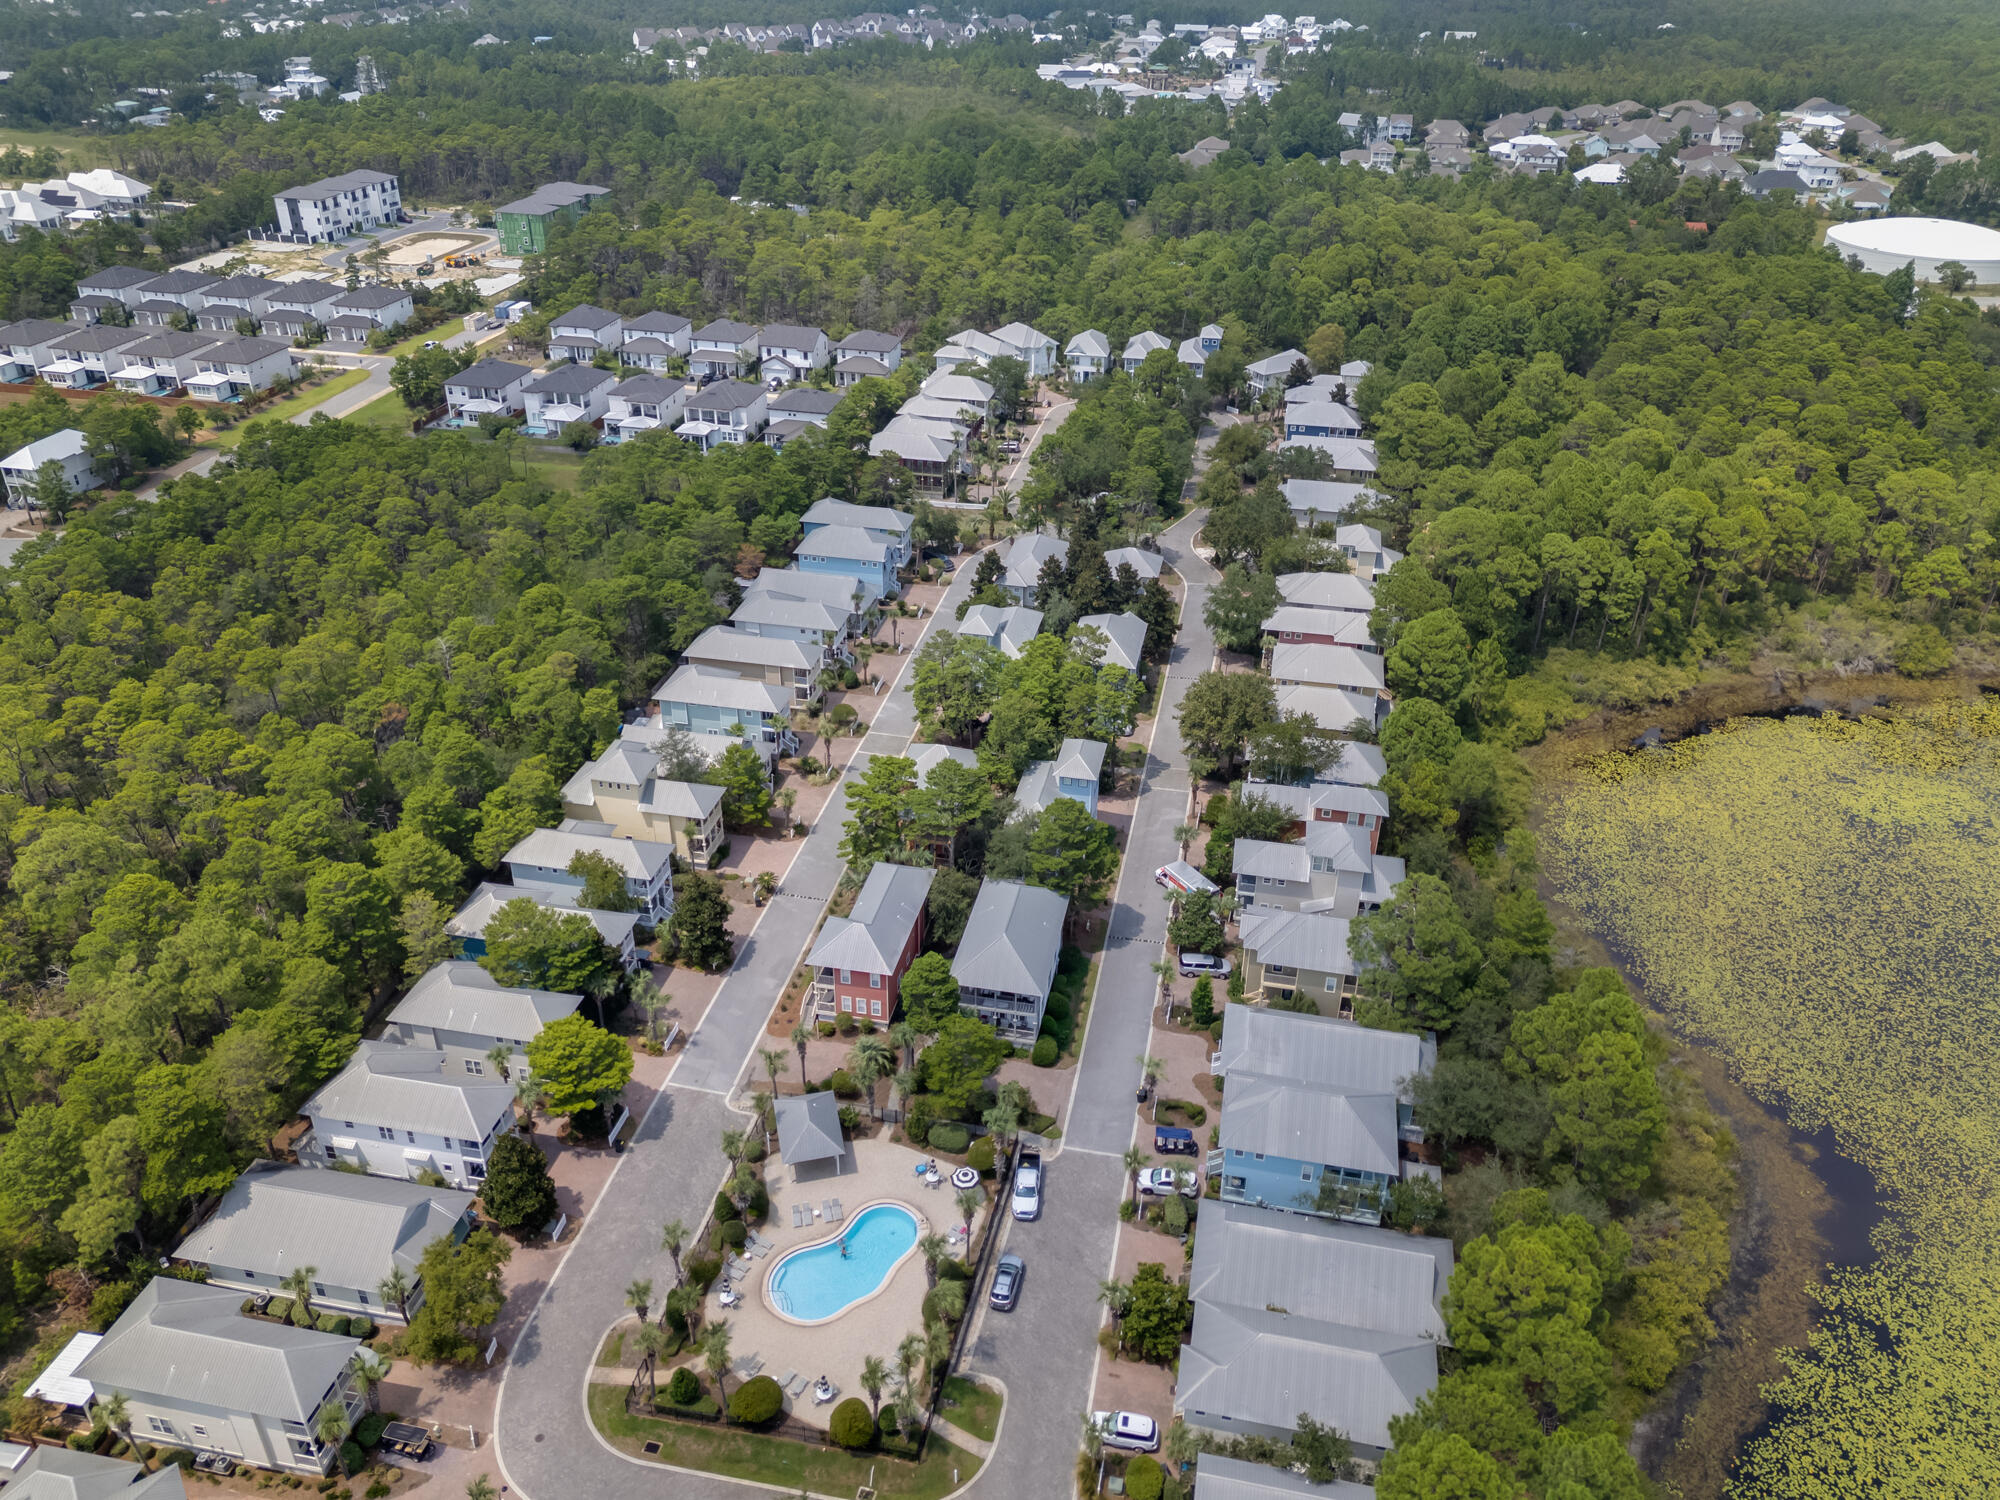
x: 1818, y: 900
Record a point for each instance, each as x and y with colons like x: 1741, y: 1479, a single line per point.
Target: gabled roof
x: 805, y: 400
x: 1026, y: 554
x: 1090, y: 343
x: 1300, y: 1121
x: 772, y: 608
x: 115, y: 278
x: 1145, y: 564
x: 1125, y: 638
x: 351, y: 1229
x: 57, y: 446
x: 647, y: 388
x: 848, y: 543
x: 1008, y: 626
x: 963, y: 390
x: 1080, y: 760
x: 554, y: 848
x: 1276, y: 366
x: 789, y: 583
x: 727, y: 332
x: 189, y: 1343
x: 828, y: 511
x: 1222, y: 1478
x: 361, y: 296
x: 909, y: 438
x: 809, y: 1128
x: 716, y: 689
x: 1375, y: 1279
x: 886, y: 912
x: 307, y: 293
x: 1142, y: 344
x: 570, y: 380
x: 657, y: 322
x: 346, y: 182
x: 1327, y: 666
x: 460, y: 996
x: 788, y: 336
x: 487, y: 374
x: 586, y: 315
x: 1012, y: 939
x: 1346, y: 627
x: 59, y: 1473
x: 726, y: 395
x: 1321, y: 1050
x: 868, y: 341
x: 720, y: 643
x: 411, y: 1087
x: 928, y: 756
x: 1346, y: 591
x: 480, y: 908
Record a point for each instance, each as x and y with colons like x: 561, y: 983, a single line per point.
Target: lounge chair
x: 798, y: 1216
x: 759, y: 1250
x: 826, y: 1207
x: 785, y: 1385
x: 838, y: 1213
x: 796, y: 1386
x: 748, y: 1366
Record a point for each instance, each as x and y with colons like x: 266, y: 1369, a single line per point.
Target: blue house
x: 1321, y: 419
x: 1317, y: 1113
x: 705, y: 701
x: 879, y: 521
x: 1072, y: 774
x: 850, y: 552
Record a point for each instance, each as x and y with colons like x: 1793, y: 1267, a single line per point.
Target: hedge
x: 756, y: 1401
x: 683, y: 1389
x: 368, y: 1431
x: 843, y: 1085
x: 352, y: 1459
x: 330, y: 1323
x: 979, y: 1156
x: 852, y: 1425
x: 279, y: 1308
x: 1046, y: 1051
x: 733, y: 1234
x: 703, y: 1269
x: 725, y: 1208
x: 359, y: 1327
x: 949, y: 1138
x: 1144, y: 1479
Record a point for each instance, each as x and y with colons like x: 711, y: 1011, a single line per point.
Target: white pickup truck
x: 1027, y: 1198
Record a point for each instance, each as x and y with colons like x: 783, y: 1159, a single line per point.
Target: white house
x: 722, y: 350
x: 68, y: 449
x: 458, y: 1007
x: 86, y: 354
x: 865, y: 355
x: 161, y: 363
x: 729, y: 411
x: 1006, y: 627
x: 335, y: 207
x: 380, y: 306
x: 568, y: 393
x: 234, y: 368
x: 1124, y: 639
x: 1138, y: 347
x: 642, y: 404
x: 579, y: 333
x: 1271, y: 371
x: 1025, y: 557
x: 1087, y: 355
x: 400, y: 1111
x: 787, y: 352
x: 490, y: 387
x: 292, y: 310
x: 653, y: 340
x: 228, y: 302
x: 543, y: 858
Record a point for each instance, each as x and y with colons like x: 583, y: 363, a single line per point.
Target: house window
x: 875, y: 1009
x: 318, y: 1290
x: 161, y: 1425
x: 468, y: 1145
x: 1332, y: 986
x: 846, y: 1004
x: 474, y: 1065
x: 1259, y: 1155
x: 475, y: 1169
x: 197, y: 1429
x: 846, y: 977
x: 1305, y: 1174
x: 362, y: 1298
x: 332, y: 1155
x: 874, y: 981
x: 412, y: 1136
x: 385, y: 1132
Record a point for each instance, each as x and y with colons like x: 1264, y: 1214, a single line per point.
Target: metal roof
x: 1026, y: 554
x: 1378, y: 1279
x: 927, y: 756
x: 873, y: 937
x: 1337, y: 1054
x: 1007, y: 626
x: 469, y: 921
x: 59, y: 1383
x: 1080, y: 760
x: 790, y: 583
x: 1012, y: 939
x: 1306, y: 1122
x: 1125, y: 637
x: 868, y: 339
x: 1090, y: 343
x: 408, y: 1086
x: 458, y: 995
x: 1219, y: 1478
x: 349, y: 1228
x: 1331, y: 708
x: 554, y: 848
x: 1269, y: 861
x: 1145, y: 564
x: 828, y: 511
x: 778, y: 609
x: 57, y: 1473
x: 720, y: 643
x: 188, y: 1345
x: 718, y: 689
x: 809, y: 1128
x: 1327, y: 666
x: 1298, y: 940
x: 847, y: 543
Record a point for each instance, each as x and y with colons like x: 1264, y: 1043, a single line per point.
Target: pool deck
x: 884, y: 1172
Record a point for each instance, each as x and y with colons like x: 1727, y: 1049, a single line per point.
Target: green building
x: 524, y: 224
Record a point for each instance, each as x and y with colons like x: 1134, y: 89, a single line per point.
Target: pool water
x: 820, y: 1282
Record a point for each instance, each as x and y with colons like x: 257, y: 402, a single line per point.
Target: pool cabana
x: 810, y: 1140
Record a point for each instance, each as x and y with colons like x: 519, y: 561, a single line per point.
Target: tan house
x: 1299, y: 953
x: 621, y: 788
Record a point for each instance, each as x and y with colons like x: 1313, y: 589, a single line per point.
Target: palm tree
x: 866, y: 1073
x: 686, y: 1300
x: 937, y: 1346
x: 871, y: 1059
x: 527, y: 1097
x: 1184, y: 835
x: 903, y: 1085
x: 116, y: 1411
x: 874, y: 1376
x: 500, y: 1055
x: 672, y: 1236
x: 331, y: 1426
x: 479, y: 1488
x: 970, y: 1201
x: 905, y: 1037
x: 1150, y: 1069
x: 775, y: 1062
x: 933, y: 1247
x: 1181, y: 1446
x: 1135, y: 1161
x: 801, y: 1034
x: 298, y: 1285
x: 909, y: 1354
x: 715, y: 1356
x: 732, y: 1144
x: 370, y: 1370
x: 1117, y: 1299
x: 395, y: 1289
x: 637, y: 1295
x: 948, y: 1300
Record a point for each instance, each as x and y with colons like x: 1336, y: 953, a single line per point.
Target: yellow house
x: 620, y: 788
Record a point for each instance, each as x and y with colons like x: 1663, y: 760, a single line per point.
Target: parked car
x: 1199, y: 965
x: 1027, y: 1197
x: 1183, y: 877
x: 1008, y: 1272
x: 1128, y: 1429
x: 1161, y: 1181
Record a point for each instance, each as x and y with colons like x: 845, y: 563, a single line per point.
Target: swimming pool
x: 821, y: 1282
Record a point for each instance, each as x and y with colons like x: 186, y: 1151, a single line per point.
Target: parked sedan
x: 1161, y: 1181
x: 1205, y: 965
x: 1008, y: 1273
x: 1127, y: 1429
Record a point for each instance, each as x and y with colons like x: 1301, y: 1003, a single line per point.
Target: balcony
x: 820, y: 1002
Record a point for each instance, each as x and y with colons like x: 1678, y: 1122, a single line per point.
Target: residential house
x: 544, y: 858
x: 198, y: 1375
x: 1007, y: 628
x: 160, y: 363
x: 1304, y: 953
x: 1364, y: 550
x: 787, y: 352
x: 932, y: 452
x: 1024, y: 559
x: 623, y: 790
x: 707, y: 701
x: 237, y: 367
x: 801, y: 407
x: 654, y: 340
x: 791, y: 664
x: 299, y: 309
x: 234, y: 300
x: 1327, y: 666
x: 1138, y: 347
x: 460, y: 1008
x: 1203, y: 151
x: 1295, y: 625
x: 68, y: 449
x: 172, y: 297
x: 492, y: 387
x: 1338, y: 1321
x: 1144, y: 565
x: 1350, y: 459
x: 1316, y: 501
x: 579, y: 333
x: 1088, y: 355
x: 116, y: 286
x: 1030, y: 346
x: 1326, y: 1128
x: 555, y: 398
x: 893, y: 527
x: 1446, y: 133
x: 1333, y: 871
x: 729, y: 411
x: 1222, y: 1478
x: 400, y: 1111
x: 1074, y: 773
x: 353, y: 1231
x: 27, y: 208
x: 377, y: 306
x: 54, y: 1472
x: 865, y: 355
x: 1327, y: 801
x: 1272, y: 371
x: 29, y: 345
x: 85, y: 354
x: 640, y: 404
x: 525, y: 223
x: 1124, y: 639
x: 722, y: 350
x: 1349, y: 592
x: 1191, y: 355
x: 947, y: 419
x: 1321, y: 419
x: 1399, y: 127
x: 1763, y: 184
x: 819, y: 608
x: 467, y: 927
x: 858, y: 961
x: 335, y: 207
x: 1007, y: 957
x: 959, y: 394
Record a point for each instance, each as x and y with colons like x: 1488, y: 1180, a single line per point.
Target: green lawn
x: 417, y: 341
x: 978, y: 1408
x: 385, y: 411
x: 79, y: 152
x: 775, y: 1461
x: 289, y: 406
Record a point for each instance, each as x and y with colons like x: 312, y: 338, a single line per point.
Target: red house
x: 859, y: 961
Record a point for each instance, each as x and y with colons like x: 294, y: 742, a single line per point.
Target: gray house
x: 1124, y: 639
x: 1220, y: 1478
x: 398, y: 1111
x: 352, y: 1230
x: 458, y: 1007
x: 64, y: 1474
x: 1006, y: 959
x: 197, y: 1374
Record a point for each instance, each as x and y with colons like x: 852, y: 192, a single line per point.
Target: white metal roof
x: 59, y: 1383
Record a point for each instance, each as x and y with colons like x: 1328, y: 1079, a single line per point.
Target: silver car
x: 1008, y: 1274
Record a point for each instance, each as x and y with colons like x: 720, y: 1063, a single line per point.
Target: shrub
x: 378, y: 1489
x: 368, y: 1431
x: 249, y: 1306
x: 850, y: 1118
x: 82, y: 1442
x: 279, y: 1308
x: 683, y: 1389
x: 843, y: 1085
x: 979, y: 1156
x: 352, y: 1459
x: 360, y: 1328
x: 851, y: 1425
x: 703, y: 1269
x: 1046, y: 1051
x: 733, y: 1234
x: 180, y: 1458
x: 825, y: 1029
x: 1201, y: 1003
x: 330, y: 1323
x: 754, y: 1149
x: 756, y: 1401
x: 725, y: 1208
x: 302, y: 1315
x: 950, y: 1138
x: 1144, y: 1479
x: 918, y: 1117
